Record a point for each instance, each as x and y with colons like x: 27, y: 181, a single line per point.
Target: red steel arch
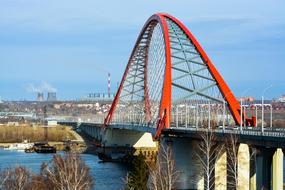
x: 166, y: 99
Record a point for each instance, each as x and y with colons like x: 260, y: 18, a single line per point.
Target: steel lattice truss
x: 170, y: 81
x: 190, y: 75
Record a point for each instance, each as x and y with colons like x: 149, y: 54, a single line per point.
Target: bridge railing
x: 270, y: 132
x: 132, y: 119
x: 97, y: 118
x: 200, y: 115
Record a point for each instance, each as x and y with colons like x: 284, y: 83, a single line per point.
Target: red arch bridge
x: 171, y: 91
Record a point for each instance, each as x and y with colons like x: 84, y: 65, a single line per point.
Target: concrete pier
x: 277, y: 170
x: 190, y: 170
x: 252, y: 172
x: 221, y: 172
x: 263, y: 168
x: 243, y: 167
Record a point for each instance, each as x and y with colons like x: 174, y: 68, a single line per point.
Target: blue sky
x: 71, y: 45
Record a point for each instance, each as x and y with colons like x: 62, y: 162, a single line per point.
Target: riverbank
x: 79, y: 147
x: 62, y: 137
x: 106, y: 175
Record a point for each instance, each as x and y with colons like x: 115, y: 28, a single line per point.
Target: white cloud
x: 42, y: 87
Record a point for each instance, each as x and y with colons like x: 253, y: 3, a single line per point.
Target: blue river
x: 106, y: 175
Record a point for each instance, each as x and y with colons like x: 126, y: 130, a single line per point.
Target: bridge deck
x: 273, y: 138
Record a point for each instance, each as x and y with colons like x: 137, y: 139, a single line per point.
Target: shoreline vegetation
x: 34, y: 133
x: 66, y: 171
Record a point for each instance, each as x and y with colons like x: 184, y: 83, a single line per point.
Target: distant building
x: 51, y: 122
x: 57, y: 106
x: 99, y: 97
x: 246, y: 99
x: 40, y: 97
x: 282, y: 98
x: 51, y: 97
x: 11, y: 123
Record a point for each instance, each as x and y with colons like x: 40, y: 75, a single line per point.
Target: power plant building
x: 51, y: 96
x: 40, y: 97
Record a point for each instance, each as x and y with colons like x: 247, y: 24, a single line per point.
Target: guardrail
x: 269, y: 132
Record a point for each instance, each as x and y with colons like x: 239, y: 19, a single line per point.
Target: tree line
x: 69, y: 172
x: 163, y: 175
x: 66, y: 172
x: 13, y: 134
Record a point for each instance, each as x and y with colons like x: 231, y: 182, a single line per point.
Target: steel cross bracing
x: 169, y: 81
x: 194, y: 90
x: 139, y: 100
x: 189, y: 72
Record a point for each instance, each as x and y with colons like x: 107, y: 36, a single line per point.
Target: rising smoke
x: 42, y: 87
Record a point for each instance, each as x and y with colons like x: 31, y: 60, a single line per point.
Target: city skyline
x: 73, y: 45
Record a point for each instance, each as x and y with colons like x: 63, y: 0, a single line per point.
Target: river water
x: 107, y: 176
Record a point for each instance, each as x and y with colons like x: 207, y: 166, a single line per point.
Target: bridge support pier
x: 277, y: 170
x: 190, y: 170
x: 221, y: 172
x: 243, y: 167
x: 263, y: 169
x: 252, y: 170
x: 127, y: 138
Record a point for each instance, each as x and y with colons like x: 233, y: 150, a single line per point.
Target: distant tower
x: 40, y: 97
x: 109, y: 85
x: 51, y: 97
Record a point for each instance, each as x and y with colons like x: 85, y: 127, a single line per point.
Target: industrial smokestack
x: 40, y: 97
x: 51, y: 96
x: 109, y: 85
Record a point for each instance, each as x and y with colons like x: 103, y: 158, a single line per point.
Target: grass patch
x: 13, y: 134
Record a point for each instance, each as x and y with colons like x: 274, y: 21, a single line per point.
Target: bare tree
x: 232, y: 148
x: 208, y: 152
x: 4, y: 175
x: 38, y: 182
x: 232, y: 161
x: 18, y: 178
x: 126, y: 181
x: 163, y: 174
x: 67, y: 173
